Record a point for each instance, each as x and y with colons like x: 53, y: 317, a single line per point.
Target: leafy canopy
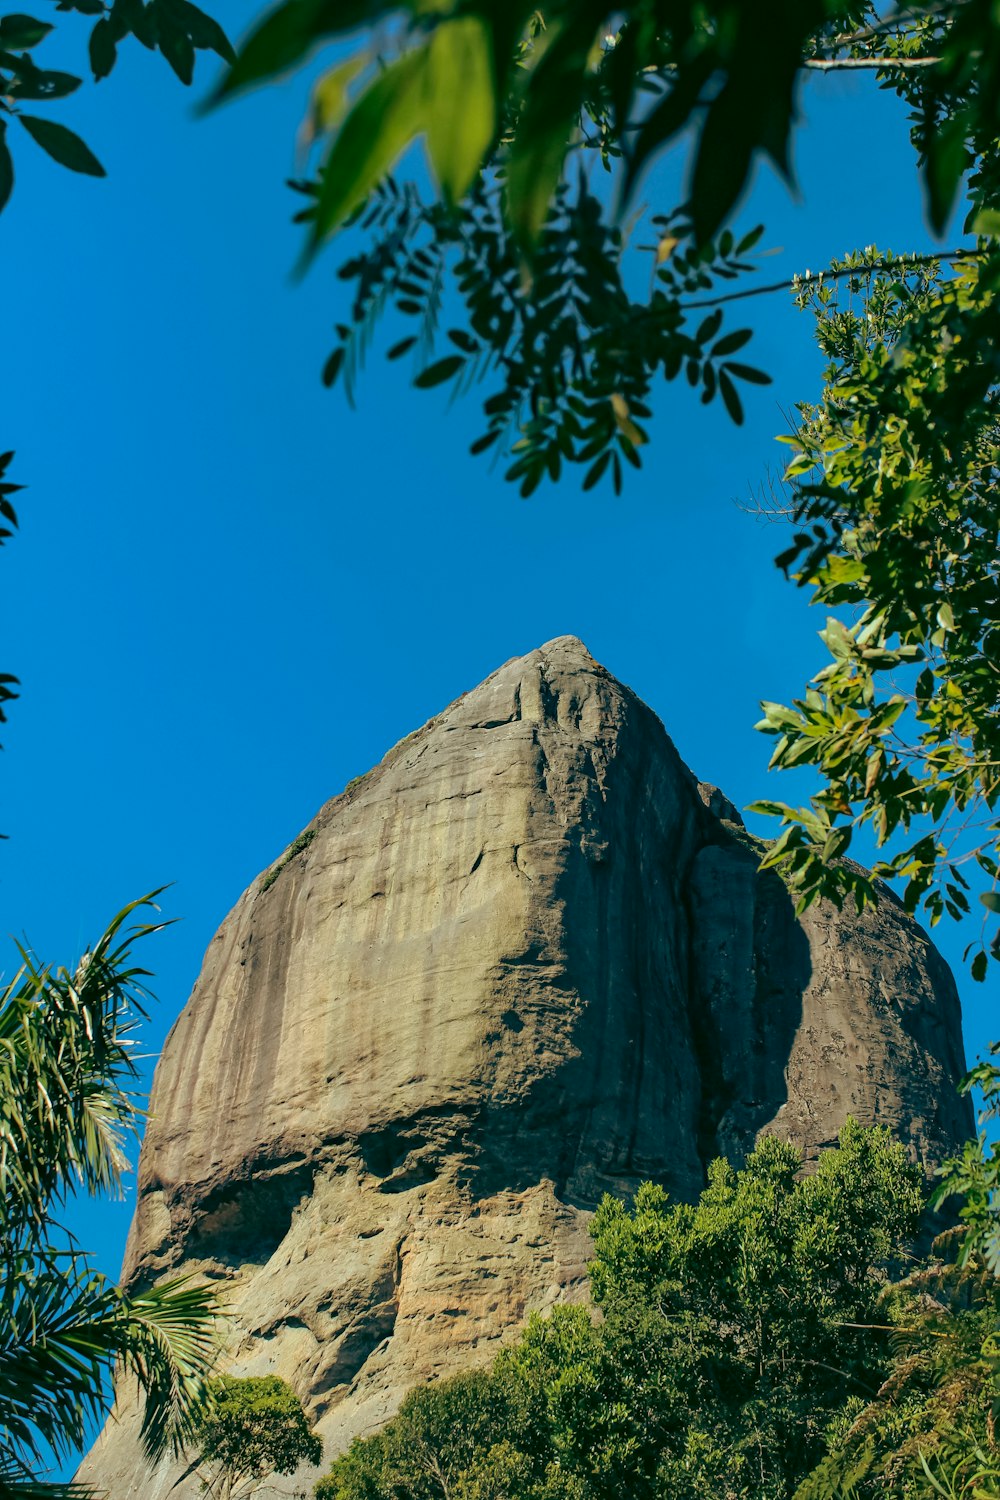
x: 515, y: 105
x: 732, y: 1332
x: 893, y: 494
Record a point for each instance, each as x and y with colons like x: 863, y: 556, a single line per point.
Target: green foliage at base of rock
x: 764, y: 1342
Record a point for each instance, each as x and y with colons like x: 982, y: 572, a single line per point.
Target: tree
x: 732, y: 1333
x: 931, y: 1429
x: 892, y: 489
x: 247, y: 1430
x: 67, y: 1106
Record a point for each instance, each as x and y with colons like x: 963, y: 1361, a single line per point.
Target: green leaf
x: 19, y: 33
x: 440, y: 371
x: 986, y: 221
x: 175, y: 44
x: 103, y: 48
x: 945, y: 160
x: 205, y: 32
x: 461, y: 103
x: 36, y: 83
x: 549, y: 118
x: 667, y: 118
x: 722, y: 164
x: 748, y: 373
x: 597, y: 469
x: 990, y: 899
x: 731, y: 342
x: 836, y: 842
x: 980, y: 964
x: 749, y: 240
x: 377, y: 131
x: 287, y: 36
x: 63, y: 145
x: 6, y: 171
x: 330, y: 98
x: 332, y: 367
x: 730, y: 395
x: 403, y: 347
x: 769, y: 809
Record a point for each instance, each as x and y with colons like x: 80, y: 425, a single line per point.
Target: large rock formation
x: 526, y: 960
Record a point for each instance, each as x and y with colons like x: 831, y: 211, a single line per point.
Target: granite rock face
x: 526, y: 960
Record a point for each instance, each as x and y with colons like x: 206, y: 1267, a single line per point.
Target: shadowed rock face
x: 526, y: 960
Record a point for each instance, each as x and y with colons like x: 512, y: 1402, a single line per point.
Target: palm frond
x: 67, y: 1107
x: 66, y: 1066
x: 169, y: 1342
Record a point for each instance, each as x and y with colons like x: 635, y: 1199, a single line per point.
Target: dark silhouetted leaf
x: 440, y: 371
x: 286, y: 37
x: 332, y: 367
x: 63, y: 145
x: 205, y: 32
x: 748, y: 373
x: 35, y: 83
x: 403, y: 347
x: 176, y: 46
x: 666, y: 119
x: 19, y: 33
x: 945, y: 160
x: 6, y: 188
x: 103, y: 48
x: 731, y: 398
x: 731, y: 342
x: 596, y: 469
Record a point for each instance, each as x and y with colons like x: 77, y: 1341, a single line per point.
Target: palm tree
x: 68, y: 1104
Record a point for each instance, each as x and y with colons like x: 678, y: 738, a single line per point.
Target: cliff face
x: 526, y: 960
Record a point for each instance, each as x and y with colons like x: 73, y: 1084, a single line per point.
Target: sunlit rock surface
x: 526, y: 960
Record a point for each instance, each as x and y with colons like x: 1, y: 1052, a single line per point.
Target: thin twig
x: 814, y: 278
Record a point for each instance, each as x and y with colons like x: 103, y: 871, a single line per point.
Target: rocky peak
x: 526, y: 960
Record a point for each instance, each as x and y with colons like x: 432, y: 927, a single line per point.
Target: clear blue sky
x: 230, y: 594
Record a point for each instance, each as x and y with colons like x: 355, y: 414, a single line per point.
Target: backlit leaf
x: 461, y: 104
x: 288, y: 35
x: 374, y: 135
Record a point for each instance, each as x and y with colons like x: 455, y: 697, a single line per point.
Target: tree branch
x: 846, y: 64
x: 814, y: 278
